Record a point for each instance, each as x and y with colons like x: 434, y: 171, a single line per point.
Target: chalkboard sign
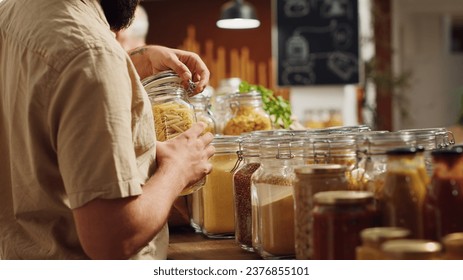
x: 318, y: 42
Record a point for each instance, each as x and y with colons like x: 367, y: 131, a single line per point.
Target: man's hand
x: 150, y: 60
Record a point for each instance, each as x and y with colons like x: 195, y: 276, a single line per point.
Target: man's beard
x: 119, y: 13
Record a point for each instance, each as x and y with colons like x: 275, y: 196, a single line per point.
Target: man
x: 81, y: 173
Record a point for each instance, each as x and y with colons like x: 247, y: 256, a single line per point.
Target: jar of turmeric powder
x: 216, y: 203
x: 246, y: 114
x: 172, y: 112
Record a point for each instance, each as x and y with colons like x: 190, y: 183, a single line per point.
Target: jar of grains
x: 248, y: 158
x: 311, y: 179
x: 217, y: 203
x: 173, y: 113
x: 247, y: 114
x: 272, y: 197
x: 338, y: 218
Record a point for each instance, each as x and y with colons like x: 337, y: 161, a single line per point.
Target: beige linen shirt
x: 75, y: 125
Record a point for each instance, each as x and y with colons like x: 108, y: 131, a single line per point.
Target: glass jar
x: 220, y: 101
x: 372, y: 148
x: 443, y: 207
x: 247, y: 114
x: 200, y: 103
x: 373, y: 238
x: 402, y: 198
x: 411, y: 249
x: 272, y: 197
x: 338, y: 217
x: 172, y: 112
x: 218, y: 213
x: 248, y: 161
x: 453, y: 246
x: 311, y: 179
x: 335, y: 149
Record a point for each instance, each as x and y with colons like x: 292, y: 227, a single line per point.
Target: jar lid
x: 453, y: 241
x: 402, y: 151
x: 226, y: 143
x: 343, y: 197
x: 281, y: 147
x: 318, y: 169
x: 379, y: 235
x: 168, y: 76
x: 454, y: 151
x: 411, y: 249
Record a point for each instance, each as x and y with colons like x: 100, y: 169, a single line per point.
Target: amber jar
x: 272, y: 197
x: 246, y: 114
x: 172, y: 111
x: 373, y: 238
x: 443, y: 206
x: 338, y: 218
x: 453, y: 246
x: 218, y: 213
x: 411, y: 249
x: 402, y: 198
x: 311, y: 179
x: 248, y: 163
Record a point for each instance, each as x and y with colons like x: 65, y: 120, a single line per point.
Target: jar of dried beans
x: 248, y: 162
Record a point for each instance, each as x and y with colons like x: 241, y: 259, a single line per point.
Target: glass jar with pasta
x: 172, y: 112
x: 247, y: 114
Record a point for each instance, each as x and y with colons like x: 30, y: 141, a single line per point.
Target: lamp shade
x: 238, y: 14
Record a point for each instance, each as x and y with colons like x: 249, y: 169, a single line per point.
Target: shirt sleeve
x: 91, y: 121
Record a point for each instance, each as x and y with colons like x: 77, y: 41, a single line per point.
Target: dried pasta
x: 171, y: 119
x: 247, y: 119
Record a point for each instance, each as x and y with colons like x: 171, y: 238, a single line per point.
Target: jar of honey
x: 443, y: 206
x: 338, y: 218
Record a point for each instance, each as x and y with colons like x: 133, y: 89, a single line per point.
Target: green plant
x: 277, y: 107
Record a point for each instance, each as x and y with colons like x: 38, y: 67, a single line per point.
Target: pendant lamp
x: 238, y: 14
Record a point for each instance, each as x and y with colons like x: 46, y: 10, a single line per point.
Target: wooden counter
x: 185, y: 244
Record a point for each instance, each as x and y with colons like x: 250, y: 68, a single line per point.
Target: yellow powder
x: 218, y: 203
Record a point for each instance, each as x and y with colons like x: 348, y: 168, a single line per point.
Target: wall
x: 421, y: 46
x: 169, y: 26
x: 171, y: 23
